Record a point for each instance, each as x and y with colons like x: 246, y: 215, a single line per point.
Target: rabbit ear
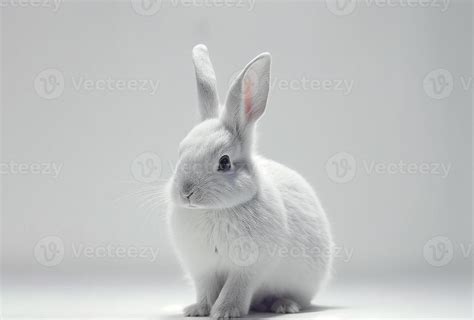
x: 248, y: 95
x: 206, y: 83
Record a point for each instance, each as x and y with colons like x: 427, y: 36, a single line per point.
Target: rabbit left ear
x: 206, y: 83
x: 247, y: 97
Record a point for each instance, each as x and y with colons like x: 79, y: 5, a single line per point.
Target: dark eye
x: 224, y: 163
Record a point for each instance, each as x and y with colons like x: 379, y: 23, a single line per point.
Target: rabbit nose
x: 187, y: 189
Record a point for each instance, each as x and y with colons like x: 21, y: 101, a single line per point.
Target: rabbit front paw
x: 197, y: 310
x: 225, y: 312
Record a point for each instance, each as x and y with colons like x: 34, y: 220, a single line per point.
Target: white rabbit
x: 250, y: 232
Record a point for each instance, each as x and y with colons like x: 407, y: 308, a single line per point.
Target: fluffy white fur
x: 255, y: 236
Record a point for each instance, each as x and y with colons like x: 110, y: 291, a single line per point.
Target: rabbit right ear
x: 206, y: 83
x: 247, y: 97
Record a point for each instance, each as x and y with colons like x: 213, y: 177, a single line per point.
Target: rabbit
x: 249, y: 232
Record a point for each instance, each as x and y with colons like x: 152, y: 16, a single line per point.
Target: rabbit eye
x: 224, y: 163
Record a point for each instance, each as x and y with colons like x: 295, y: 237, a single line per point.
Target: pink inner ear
x: 248, y: 97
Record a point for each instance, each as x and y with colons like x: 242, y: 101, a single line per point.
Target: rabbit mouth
x: 192, y: 206
x: 188, y: 204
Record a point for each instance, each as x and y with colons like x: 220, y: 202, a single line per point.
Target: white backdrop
x: 371, y: 103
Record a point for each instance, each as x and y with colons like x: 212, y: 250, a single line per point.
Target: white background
x: 388, y: 222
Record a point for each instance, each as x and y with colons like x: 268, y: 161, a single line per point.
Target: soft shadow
x: 258, y: 315
x: 311, y: 309
x: 315, y: 308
